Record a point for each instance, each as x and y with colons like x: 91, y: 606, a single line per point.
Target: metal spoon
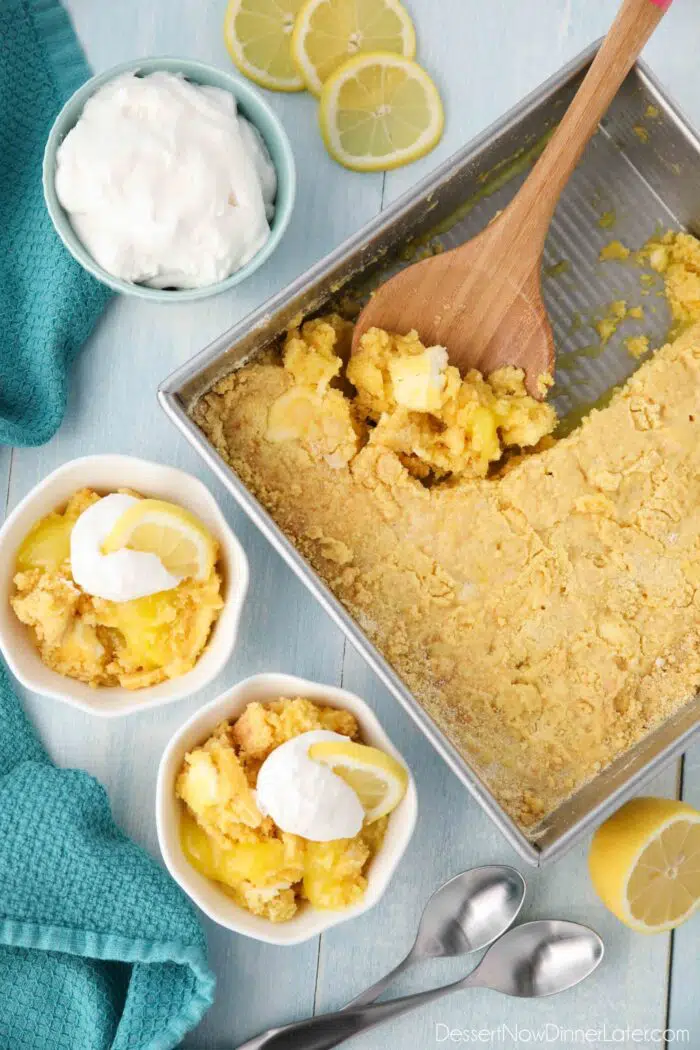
x: 463, y: 915
x: 535, y: 959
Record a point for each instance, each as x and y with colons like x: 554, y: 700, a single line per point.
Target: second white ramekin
x: 211, y: 898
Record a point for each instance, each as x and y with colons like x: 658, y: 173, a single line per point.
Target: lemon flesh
x: 329, y: 32
x: 184, y: 545
x: 379, y: 111
x: 378, y: 779
x: 258, y: 34
x: 645, y: 863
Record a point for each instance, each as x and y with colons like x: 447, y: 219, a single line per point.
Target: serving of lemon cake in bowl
x: 124, y: 585
x: 283, y: 808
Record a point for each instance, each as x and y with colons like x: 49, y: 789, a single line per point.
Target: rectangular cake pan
x: 640, y: 174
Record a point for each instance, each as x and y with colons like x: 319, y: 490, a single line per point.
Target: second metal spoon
x: 464, y: 915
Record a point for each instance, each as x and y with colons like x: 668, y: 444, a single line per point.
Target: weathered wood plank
x: 684, y: 1003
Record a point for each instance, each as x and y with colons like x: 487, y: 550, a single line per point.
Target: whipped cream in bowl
x: 168, y: 179
x: 304, y: 797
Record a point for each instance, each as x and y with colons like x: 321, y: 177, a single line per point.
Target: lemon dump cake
x: 114, y: 613
x: 282, y: 806
x: 546, y: 615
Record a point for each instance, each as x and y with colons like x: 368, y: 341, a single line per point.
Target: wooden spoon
x: 483, y: 300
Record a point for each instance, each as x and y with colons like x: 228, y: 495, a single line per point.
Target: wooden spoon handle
x: 534, y: 206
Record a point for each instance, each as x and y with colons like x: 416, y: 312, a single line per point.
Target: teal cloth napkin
x: 48, y: 303
x: 98, y: 946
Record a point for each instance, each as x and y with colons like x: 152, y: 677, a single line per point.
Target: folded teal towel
x: 48, y: 303
x: 98, y: 947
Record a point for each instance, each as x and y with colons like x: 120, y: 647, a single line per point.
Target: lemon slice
x: 379, y: 111
x: 257, y: 34
x: 183, y: 544
x: 329, y: 32
x: 645, y: 863
x: 379, y: 781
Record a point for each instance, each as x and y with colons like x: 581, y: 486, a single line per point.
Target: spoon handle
x: 379, y: 987
x: 635, y: 23
x: 327, y: 1030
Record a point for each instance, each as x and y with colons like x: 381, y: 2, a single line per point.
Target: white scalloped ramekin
x: 105, y: 474
x: 207, y: 894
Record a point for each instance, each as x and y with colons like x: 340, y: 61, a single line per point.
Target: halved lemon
x: 378, y: 779
x: 379, y: 111
x: 645, y: 863
x: 329, y: 32
x: 184, y: 545
x: 257, y: 34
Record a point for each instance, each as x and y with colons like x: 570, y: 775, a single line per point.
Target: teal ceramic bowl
x: 250, y: 104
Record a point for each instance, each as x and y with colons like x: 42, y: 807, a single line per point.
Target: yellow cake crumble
x: 676, y: 256
x: 133, y: 644
x: 415, y: 403
x: 546, y: 616
x: 225, y: 836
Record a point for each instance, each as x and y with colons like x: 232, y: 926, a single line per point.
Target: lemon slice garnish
x: 257, y: 34
x: 329, y: 32
x: 645, y: 863
x: 378, y: 779
x: 379, y: 111
x: 184, y: 545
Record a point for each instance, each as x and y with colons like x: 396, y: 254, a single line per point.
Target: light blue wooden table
x: 485, y: 56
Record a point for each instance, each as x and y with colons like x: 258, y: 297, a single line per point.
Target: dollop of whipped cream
x: 304, y: 797
x: 119, y: 577
x: 165, y: 184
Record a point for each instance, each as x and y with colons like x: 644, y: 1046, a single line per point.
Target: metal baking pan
x: 640, y: 173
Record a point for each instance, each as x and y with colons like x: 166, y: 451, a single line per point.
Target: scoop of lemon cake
x: 415, y: 402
